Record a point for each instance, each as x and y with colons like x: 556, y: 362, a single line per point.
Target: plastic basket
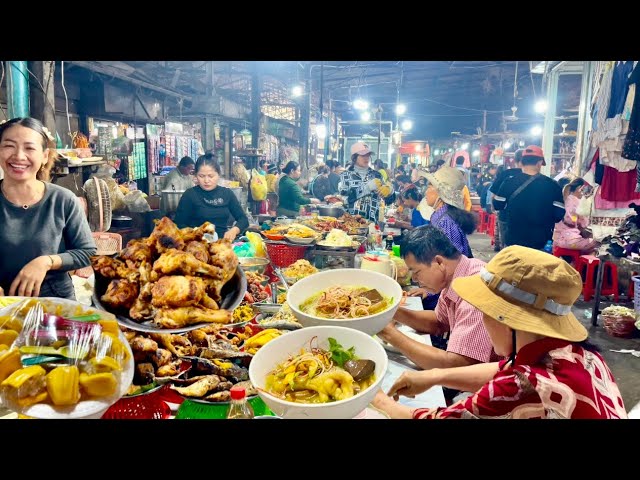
x: 636, y: 292
x: 107, y: 244
x: 190, y: 410
x: 283, y: 255
x: 139, y: 407
x: 619, y: 326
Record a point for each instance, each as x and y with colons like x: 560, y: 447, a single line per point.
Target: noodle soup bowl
x: 277, y: 351
x: 309, y: 286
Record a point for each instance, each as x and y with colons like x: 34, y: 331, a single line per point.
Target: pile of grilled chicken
x: 199, y: 364
x: 173, y: 278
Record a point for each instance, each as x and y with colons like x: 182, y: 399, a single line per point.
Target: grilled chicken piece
x: 200, y: 388
x: 181, y: 291
x: 121, y: 293
x: 144, y: 374
x: 223, y: 257
x: 182, y: 263
x: 198, y: 250
x: 165, y: 236
x: 196, y: 234
x: 143, y: 344
x: 142, y: 308
x: 136, y: 252
x: 161, y: 357
x: 110, y: 267
x: 170, y: 369
x: 179, y: 345
x: 181, y: 317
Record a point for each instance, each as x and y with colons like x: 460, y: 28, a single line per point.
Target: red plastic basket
x: 282, y: 254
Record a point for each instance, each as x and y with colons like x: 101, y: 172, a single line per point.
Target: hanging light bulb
x: 321, y: 131
x: 407, y: 125
x: 365, y: 116
x: 540, y: 106
x: 401, y: 109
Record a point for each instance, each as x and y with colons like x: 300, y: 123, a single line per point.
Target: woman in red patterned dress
x: 526, y: 297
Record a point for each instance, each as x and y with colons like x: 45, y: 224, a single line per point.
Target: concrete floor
x: 625, y: 367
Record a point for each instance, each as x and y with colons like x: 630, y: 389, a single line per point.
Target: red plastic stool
x: 482, y: 221
x: 491, y: 228
x: 587, y: 266
x: 567, y: 252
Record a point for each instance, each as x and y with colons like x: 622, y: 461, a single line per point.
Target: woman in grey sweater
x: 43, y: 231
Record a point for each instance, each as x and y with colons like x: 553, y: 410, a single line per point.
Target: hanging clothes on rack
x: 602, y: 105
x: 619, y: 88
x: 619, y: 186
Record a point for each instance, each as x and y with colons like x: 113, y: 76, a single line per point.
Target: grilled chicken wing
x: 161, y: 357
x: 142, y: 308
x: 110, y: 267
x: 165, y: 235
x: 198, y: 250
x: 176, y: 262
x: 180, y: 291
x: 143, y: 344
x: 136, y: 252
x: 121, y: 293
x: 223, y: 257
x: 191, y: 234
x: 181, y: 317
x: 179, y: 345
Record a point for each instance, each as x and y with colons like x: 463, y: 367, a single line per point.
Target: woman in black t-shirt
x: 209, y: 202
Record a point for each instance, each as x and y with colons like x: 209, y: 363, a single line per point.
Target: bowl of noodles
x: 353, y: 298
x: 303, y: 374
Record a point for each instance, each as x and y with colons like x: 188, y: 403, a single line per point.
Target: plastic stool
x: 491, y: 228
x: 482, y: 221
x: 587, y: 266
x: 567, y: 252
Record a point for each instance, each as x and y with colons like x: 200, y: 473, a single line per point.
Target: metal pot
x: 330, y: 211
x: 169, y: 200
x: 121, y: 221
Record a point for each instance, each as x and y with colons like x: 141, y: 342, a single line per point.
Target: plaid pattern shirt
x: 360, y: 201
x: 463, y: 321
x: 550, y: 378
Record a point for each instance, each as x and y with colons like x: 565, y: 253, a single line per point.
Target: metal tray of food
x: 333, y: 248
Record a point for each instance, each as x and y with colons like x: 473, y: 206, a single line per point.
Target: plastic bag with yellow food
x: 258, y: 186
x: 256, y: 242
x: 404, y: 274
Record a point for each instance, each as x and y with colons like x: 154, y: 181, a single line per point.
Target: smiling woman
x: 44, y: 231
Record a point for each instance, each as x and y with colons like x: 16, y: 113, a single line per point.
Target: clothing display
x: 631, y: 147
x: 550, y: 378
x: 618, y: 186
x: 619, y: 88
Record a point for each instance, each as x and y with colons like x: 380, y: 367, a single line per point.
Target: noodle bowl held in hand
x: 335, y: 297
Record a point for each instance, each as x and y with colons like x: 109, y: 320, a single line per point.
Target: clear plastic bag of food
x: 60, y: 359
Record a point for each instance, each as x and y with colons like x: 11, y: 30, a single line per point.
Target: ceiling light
x: 297, y: 91
x: 365, y: 116
x: 536, y: 131
x: 401, y: 109
x: 507, y: 145
x: 540, y: 106
x: 476, y: 153
x: 464, y: 146
x: 360, y: 104
x: 407, y: 125
x: 436, y: 152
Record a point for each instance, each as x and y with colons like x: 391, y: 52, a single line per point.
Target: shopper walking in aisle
x: 291, y: 197
x: 551, y: 372
x: 501, y: 224
x: 572, y: 232
x: 532, y: 202
x: 210, y: 202
x: 44, y: 232
x: 363, y: 187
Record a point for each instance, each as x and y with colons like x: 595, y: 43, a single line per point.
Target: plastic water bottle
x: 239, y: 407
x: 548, y: 247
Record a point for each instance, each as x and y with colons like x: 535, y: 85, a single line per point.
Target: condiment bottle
x: 239, y: 407
x: 389, y: 243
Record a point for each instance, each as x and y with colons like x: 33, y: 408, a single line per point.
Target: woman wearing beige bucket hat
x: 444, y: 195
x: 526, y: 297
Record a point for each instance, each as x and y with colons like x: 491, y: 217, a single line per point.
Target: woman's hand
x: 412, y: 382
x: 28, y: 281
x: 231, y: 234
x: 315, y: 201
x: 418, y: 292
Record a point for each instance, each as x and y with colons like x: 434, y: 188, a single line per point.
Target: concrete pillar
x: 42, y: 93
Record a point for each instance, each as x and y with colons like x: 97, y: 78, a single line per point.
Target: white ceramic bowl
x: 371, y: 324
x: 278, y: 350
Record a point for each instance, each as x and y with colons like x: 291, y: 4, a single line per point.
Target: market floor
x: 625, y: 367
